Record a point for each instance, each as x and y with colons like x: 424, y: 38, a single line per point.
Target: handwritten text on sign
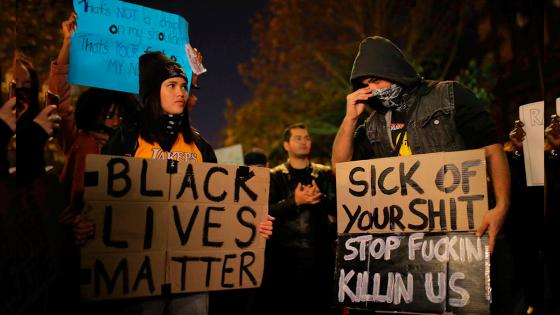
x: 418, y: 272
x: 112, y: 35
x: 427, y: 192
x: 532, y: 115
x: 166, y: 225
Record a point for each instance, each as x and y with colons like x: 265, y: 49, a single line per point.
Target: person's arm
x: 478, y: 130
x: 8, y: 116
x: 68, y: 28
x: 327, y: 183
x: 7, y: 130
x: 58, y: 84
x: 31, y: 139
x: 343, y: 143
x: 283, y: 202
x: 552, y: 132
x: 279, y: 204
x: 499, y: 174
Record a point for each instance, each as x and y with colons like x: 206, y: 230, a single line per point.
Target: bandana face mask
x: 389, y: 97
x: 172, y: 123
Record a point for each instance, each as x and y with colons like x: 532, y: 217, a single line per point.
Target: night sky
x: 221, y: 30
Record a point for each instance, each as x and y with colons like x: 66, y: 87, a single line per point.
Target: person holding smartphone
x: 7, y: 130
x: 35, y: 124
x: 85, y: 127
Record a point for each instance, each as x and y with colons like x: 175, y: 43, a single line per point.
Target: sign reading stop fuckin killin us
x: 163, y: 226
x: 406, y: 239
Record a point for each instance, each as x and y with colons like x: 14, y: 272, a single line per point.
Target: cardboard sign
x: 163, y: 226
x: 532, y: 115
x: 427, y: 192
x: 419, y: 273
x: 112, y: 35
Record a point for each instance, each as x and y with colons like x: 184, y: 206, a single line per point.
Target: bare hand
x: 265, y: 227
x: 307, y: 194
x: 355, y: 102
x: 554, y: 141
x: 491, y: 222
x: 69, y: 26
x: 198, y: 56
x: 48, y: 120
x: 313, y: 189
x: 8, y: 113
x: 517, y: 136
x: 83, y: 229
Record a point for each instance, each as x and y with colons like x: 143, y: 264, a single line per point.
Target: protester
x: 35, y: 124
x: 411, y: 115
x: 256, y: 157
x: 29, y: 199
x: 86, y: 129
x: 300, y: 255
x: 524, y: 215
x: 163, y: 128
x: 424, y: 117
x: 7, y: 130
x: 552, y: 212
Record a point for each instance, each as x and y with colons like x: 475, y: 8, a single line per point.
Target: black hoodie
x: 379, y: 57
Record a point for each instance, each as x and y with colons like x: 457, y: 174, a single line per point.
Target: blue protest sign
x: 112, y: 35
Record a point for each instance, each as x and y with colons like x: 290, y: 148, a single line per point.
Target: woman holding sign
x: 164, y: 128
x: 164, y: 132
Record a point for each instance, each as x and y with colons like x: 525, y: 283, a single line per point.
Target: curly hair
x: 94, y: 104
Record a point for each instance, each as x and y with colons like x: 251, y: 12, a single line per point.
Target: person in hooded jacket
x: 411, y: 115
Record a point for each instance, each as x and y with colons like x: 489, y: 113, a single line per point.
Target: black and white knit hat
x: 155, y: 68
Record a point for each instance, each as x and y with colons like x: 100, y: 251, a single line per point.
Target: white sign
x: 230, y: 155
x: 532, y: 116
x: 196, y: 65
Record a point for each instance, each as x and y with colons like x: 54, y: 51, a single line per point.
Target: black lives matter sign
x: 405, y: 234
x: 165, y: 227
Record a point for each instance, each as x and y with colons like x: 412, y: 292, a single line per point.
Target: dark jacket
x: 30, y: 160
x: 5, y: 135
x: 430, y: 123
x: 432, y: 120
x: 125, y: 142
x: 304, y: 226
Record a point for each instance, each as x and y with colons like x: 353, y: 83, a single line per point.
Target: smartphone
x: 52, y: 99
x: 12, y: 92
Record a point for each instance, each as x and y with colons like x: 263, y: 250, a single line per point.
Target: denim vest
x: 430, y: 123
